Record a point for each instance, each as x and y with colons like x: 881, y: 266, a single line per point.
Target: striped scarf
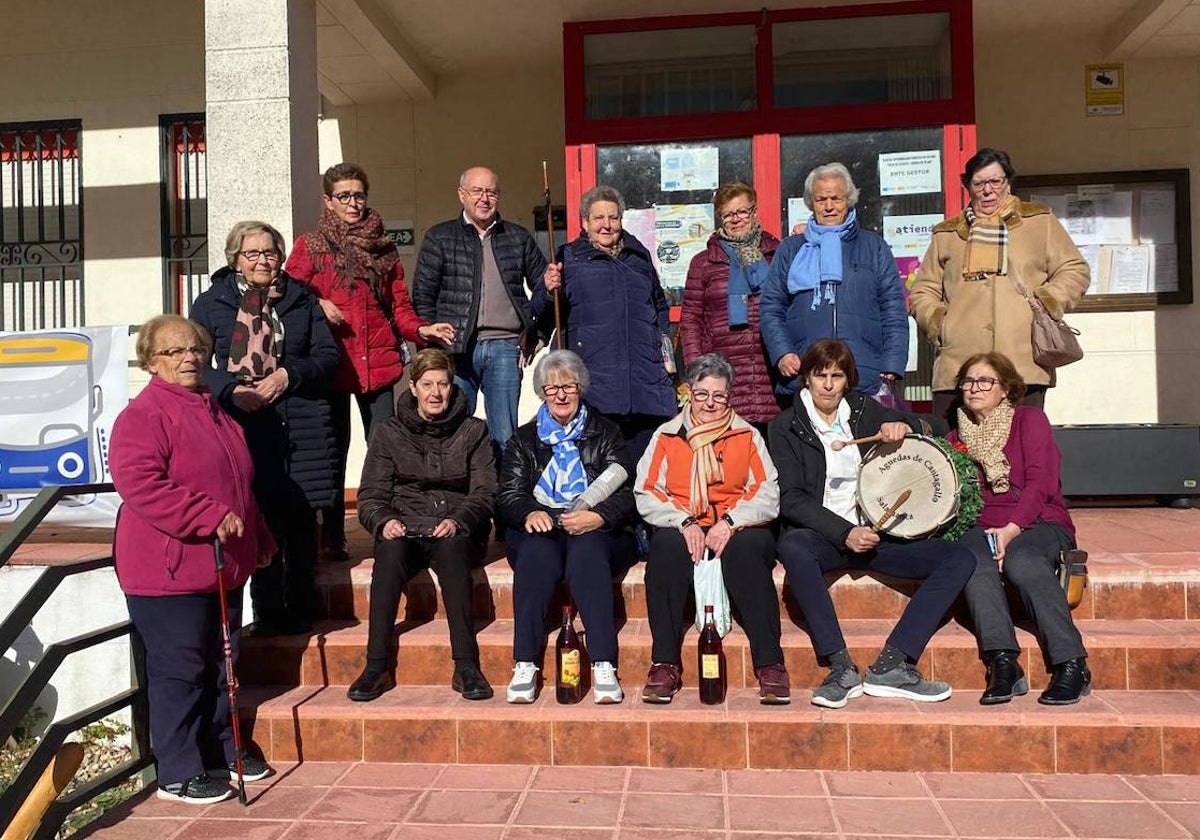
x: 564, y: 477
x: 706, y: 467
x: 987, y: 243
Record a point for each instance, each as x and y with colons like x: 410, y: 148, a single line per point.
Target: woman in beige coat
x: 966, y: 298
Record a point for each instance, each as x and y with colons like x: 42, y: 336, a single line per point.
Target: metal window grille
x: 184, y: 210
x: 41, y: 226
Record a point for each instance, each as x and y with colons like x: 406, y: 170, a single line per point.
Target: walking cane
x: 558, y: 336
x: 230, y: 677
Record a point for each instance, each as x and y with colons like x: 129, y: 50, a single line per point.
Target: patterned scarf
x: 361, y: 250
x: 985, y: 443
x: 747, y: 271
x: 817, y: 267
x: 748, y: 246
x: 987, y: 243
x: 614, y: 251
x: 564, y: 477
x: 253, y: 348
x: 706, y: 467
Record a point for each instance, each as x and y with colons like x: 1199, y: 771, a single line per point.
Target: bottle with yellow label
x: 710, y: 662
x: 568, y: 654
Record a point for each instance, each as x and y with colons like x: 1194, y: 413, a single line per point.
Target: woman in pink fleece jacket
x: 182, y: 469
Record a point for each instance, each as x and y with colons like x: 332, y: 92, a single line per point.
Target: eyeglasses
x: 743, y: 213
x: 270, y: 255
x: 994, y: 183
x: 719, y: 397
x: 347, y: 197
x: 570, y: 389
x: 477, y: 193
x: 178, y: 353
x: 983, y: 383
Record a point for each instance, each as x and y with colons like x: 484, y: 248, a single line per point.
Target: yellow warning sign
x: 1104, y: 89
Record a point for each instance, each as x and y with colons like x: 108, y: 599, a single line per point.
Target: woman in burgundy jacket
x: 182, y: 469
x: 720, y: 301
x: 354, y: 268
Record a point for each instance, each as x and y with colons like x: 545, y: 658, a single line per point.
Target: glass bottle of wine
x: 710, y: 662
x: 568, y: 654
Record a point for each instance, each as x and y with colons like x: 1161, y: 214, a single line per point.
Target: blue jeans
x: 493, y: 366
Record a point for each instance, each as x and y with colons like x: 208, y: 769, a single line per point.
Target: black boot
x: 469, y: 681
x: 1070, y: 681
x: 372, y: 682
x: 1006, y: 680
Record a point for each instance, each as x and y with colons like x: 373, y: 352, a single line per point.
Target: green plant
x: 970, y: 500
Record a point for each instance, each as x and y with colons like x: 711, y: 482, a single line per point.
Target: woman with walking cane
x: 182, y: 469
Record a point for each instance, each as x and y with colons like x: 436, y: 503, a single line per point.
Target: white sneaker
x: 605, y: 687
x: 523, y: 688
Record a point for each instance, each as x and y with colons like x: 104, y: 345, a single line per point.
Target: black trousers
x: 746, y: 567
x: 588, y: 562
x: 185, y: 664
x: 286, y: 590
x: 374, y: 407
x: 1029, y: 569
x: 396, y: 563
x: 944, y: 567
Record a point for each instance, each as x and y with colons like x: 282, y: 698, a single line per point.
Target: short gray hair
x: 601, y: 193
x: 710, y: 364
x: 233, y: 242
x: 144, y: 344
x: 562, y: 362
x: 826, y: 173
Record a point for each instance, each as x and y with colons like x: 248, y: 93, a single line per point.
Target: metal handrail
x: 18, y: 705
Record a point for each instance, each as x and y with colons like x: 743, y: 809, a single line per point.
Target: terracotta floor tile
x: 119, y: 827
x: 484, y: 777
x: 286, y: 802
x: 373, y: 805
x: 319, y: 773
x: 778, y: 813
x: 425, y: 741
x: 668, y: 811
x: 982, y: 749
x: 892, y: 746
x: 1168, y: 788
x: 569, y: 810
x: 1117, y: 820
x: 390, y: 775
x: 774, y: 783
x: 204, y: 829
x: 669, y: 834
x: 520, y: 832
x: 1095, y: 749
x: 644, y: 780
x: 989, y: 819
x: 875, y: 784
x: 1186, y: 814
x: 795, y: 745
x: 466, y: 807
x: 147, y: 804
x: 325, y: 831
x: 504, y: 742
x: 698, y: 744
x: 977, y: 786
x: 1086, y: 787
x: 863, y: 815
x: 580, y: 778
x: 610, y: 743
x: 449, y: 832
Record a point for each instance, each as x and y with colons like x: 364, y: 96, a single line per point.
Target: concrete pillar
x: 261, y: 88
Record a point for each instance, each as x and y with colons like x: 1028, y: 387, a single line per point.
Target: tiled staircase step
x: 1122, y: 586
x: 1138, y: 732
x: 1123, y: 655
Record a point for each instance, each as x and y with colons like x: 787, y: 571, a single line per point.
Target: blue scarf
x: 817, y: 267
x: 744, y: 281
x: 564, y: 477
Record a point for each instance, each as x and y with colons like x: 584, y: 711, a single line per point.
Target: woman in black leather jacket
x: 551, y: 483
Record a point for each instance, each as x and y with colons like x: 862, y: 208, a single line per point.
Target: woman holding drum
x: 822, y: 531
x: 1027, y: 522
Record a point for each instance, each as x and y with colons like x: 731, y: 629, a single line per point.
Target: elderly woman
x: 353, y: 267
x: 557, y: 529
x: 183, y: 472
x: 721, y: 300
x: 617, y: 319
x: 708, y: 486
x: 274, y: 363
x: 1026, y: 517
x: 823, y: 533
x: 428, y: 486
x: 836, y: 280
x: 968, y: 295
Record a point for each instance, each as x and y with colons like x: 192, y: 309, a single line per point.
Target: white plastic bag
x: 710, y: 590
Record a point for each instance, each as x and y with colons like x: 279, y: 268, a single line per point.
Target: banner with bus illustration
x: 60, y: 391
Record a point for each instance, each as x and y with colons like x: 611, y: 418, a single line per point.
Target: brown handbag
x: 1073, y: 575
x: 1055, y: 343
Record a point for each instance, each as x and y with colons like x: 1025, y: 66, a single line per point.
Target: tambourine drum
x: 918, y: 465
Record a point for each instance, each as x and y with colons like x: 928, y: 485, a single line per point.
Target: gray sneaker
x: 905, y: 681
x: 839, y: 688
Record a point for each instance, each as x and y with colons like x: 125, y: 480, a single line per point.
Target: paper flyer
x: 1157, y: 223
x: 640, y: 225
x: 689, y: 169
x: 680, y: 232
x: 797, y: 214
x: 909, y: 173
x: 909, y: 236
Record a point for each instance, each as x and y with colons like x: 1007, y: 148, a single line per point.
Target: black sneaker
x: 198, y: 790
x: 253, y: 770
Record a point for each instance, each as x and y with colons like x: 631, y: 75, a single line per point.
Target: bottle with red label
x: 568, y: 653
x: 710, y: 662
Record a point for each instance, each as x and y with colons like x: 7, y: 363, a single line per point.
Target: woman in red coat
x: 720, y: 300
x: 355, y: 270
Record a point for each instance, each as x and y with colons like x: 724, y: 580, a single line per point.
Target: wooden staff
x: 57, y: 775
x: 890, y: 512
x: 558, y: 334
x: 839, y: 445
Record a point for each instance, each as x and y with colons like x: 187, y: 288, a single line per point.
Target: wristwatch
x: 728, y: 520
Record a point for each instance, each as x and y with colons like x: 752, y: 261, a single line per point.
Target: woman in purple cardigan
x: 1025, y: 520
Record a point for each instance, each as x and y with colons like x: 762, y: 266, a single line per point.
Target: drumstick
x: 890, y: 512
x: 838, y: 445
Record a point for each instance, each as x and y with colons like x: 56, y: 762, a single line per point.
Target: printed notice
x: 1157, y: 224
x: 909, y: 173
x: 909, y: 235
x: 798, y: 214
x: 1104, y: 89
x: 1166, y: 268
x: 1130, y: 273
x: 640, y: 225
x: 680, y: 231
x: 1100, y: 220
x: 689, y: 169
